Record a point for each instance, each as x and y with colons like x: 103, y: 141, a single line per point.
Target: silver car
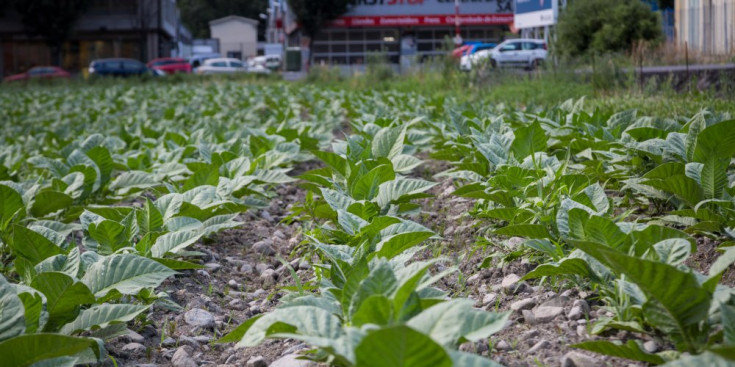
x: 524, y: 52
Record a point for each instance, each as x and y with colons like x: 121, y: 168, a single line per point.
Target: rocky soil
x: 244, y: 275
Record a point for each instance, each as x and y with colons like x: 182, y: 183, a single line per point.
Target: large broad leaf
x: 127, y: 274
x: 631, y: 350
x: 404, y: 163
x: 680, y: 186
x: 452, y: 322
x: 63, y: 294
x: 25, y: 350
x: 33, y: 246
x: 336, y: 200
x: 714, y: 176
x: 394, y: 190
x: 134, y: 180
x: 524, y: 230
x: 680, y: 301
x: 12, y: 322
x: 717, y: 140
x: 463, y: 359
x: 102, y: 316
x: 109, y: 235
x: 705, y: 359
x: 528, y: 140
x: 11, y: 205
x: 174, y: 242
x: 400, y: 346
x: 50, y: 201
x: 366, y: 186
x: 150, y: 218
x: 317, y: 325
x: 393, y: 245
x: 388, y: 142
x: 333, y: 160
x: 569, y: 266
x: 34, y: 304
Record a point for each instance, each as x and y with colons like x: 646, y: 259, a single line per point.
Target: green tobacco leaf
x: 32, y: 246
x: 34, y: 305
x: 528, y: 140
x: 452, y: 322
x: 178, y: 264
x: 680, y: 186
x: 722, y: 263
x: 25, y: 350
x: 538, y: 231
x: 57, y: 362
x: 728, y: 323
x: 63, y: 294
x: 376, y: 309
x: 680, y: 299
x: 333, y: 160
x: 11, y: 205
x: 705, y: 359
x: 400, y: 346
x: 567, y: 266
x: 149, y: 218
x: 366, y: 187
x: 393, y: 245
x: 404, y: 163
x: 463, y: 359
x: 336, y: 200
x: 102, y: 316
x: 631, y: 350
x: 717, y: 140
x: 388, y: 142
x: 174, y: 242
x: 109, y: 235
x: 127, y: 274
x: 673, y: 251
x: 47, y: 202
x: 12, y: 321
x: 714, y: 176
x: 394, y: 190
x: 237, y: 333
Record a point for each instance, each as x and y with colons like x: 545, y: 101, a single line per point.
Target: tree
x: 314, y: 14
x: 606, y: 26
x: 52, y: 20
x: 196, y: 14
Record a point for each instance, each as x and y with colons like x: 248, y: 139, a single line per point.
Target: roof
x: 231, y: 18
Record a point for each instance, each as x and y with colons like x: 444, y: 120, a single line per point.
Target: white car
x: 222, y: 65
x: 526, y: 53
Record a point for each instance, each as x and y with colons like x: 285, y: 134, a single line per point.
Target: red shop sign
x: 422, y: 20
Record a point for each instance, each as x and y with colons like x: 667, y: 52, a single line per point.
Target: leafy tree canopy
x: 314, y: 14
x: 606, y: 25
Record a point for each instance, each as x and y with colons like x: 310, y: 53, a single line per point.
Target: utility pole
x: 457, y: 33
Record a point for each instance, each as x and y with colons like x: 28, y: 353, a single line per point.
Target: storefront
x: 416, y: 28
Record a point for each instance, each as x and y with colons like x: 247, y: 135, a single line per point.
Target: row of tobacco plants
x: 105, y: 190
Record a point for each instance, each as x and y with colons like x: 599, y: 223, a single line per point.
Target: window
x: 219, y: 64
x: 131, y: 65
x: 236, y: 64
x: 530, y: 45
x: 514, y: 46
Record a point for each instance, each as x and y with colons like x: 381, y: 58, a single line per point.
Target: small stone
x: 236, y: 304
x: 134, y: 337
x: 304, y: 265
x: 260, y: 293
x: 529, y: 334
x: 291, y: 361
x: 134, y: 348
x: 582, y: 331
x: 514, y: 242
x: 199, y: 317
x: 524, y: 304
x: 246, y: 268
x: 547, y: 313
x: 473, y: 279
x: 213, y: 267
x: 264, y: 247
x: 187, y: 340
x: 202, y: 339
x: 279, y: 234
x: 503, y: 345
x: 579, y: 310
x: 538, y: 346
x: 512, y: 284
x: 528, y: 316
x: 577, y: 359
x: 266, y: 215
x: 182, y: 359
x: 489, y: 299
x: 168, y: 341
x: 233, y: 284
x: 650, y: 346
x: 260, y: 268
x: 582, y: 322
x: 268, y: 281
x: 257, y: 361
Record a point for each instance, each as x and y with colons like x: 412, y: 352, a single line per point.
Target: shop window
x: 357, y: 47
x: 477, y: 34
x: 373, y: 36
x: 425, y: 35
x: 339, y: 48
x: 339, y: 36
x: 322, y: 36
x: 357, y: 60
x: 425, y: 46
x: 321, y: 48
x: 374, y: 47
x: 339, y: 60
x: 357, y: 35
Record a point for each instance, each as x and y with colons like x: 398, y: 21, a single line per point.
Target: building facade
x: 137, y: 29
x: 416, y: 28
x: 706, y: 26
x: 238, y: 36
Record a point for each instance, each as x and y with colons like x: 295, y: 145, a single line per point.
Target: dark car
x: 119, y: 68
x: 40, y: 72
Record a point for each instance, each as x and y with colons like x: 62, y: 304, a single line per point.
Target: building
x: 417, y: 28
x: 238, y: 36
x: 706, y: 26
x: 138, y: 29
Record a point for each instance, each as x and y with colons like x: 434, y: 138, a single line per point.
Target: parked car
x: 121, y: 68
x: 526, y: 53
x: 39, y: 73
x: 199, y: 59
x: 475, y: 47
x: 170, y: 65
x: 222, y: 65
x: 264, y: 64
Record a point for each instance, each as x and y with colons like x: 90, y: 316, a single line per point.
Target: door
x: 508, y: 54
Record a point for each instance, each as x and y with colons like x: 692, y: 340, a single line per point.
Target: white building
x: 238, y: 36
x: 706, y: 26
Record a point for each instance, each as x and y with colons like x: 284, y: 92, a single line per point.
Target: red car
x: 170, y: 65
x: 40, y: 72
x: 460, y: 51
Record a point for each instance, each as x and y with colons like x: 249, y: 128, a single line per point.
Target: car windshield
x: 236, y: 64
x: 219, y: 64
x: 168, y: 62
